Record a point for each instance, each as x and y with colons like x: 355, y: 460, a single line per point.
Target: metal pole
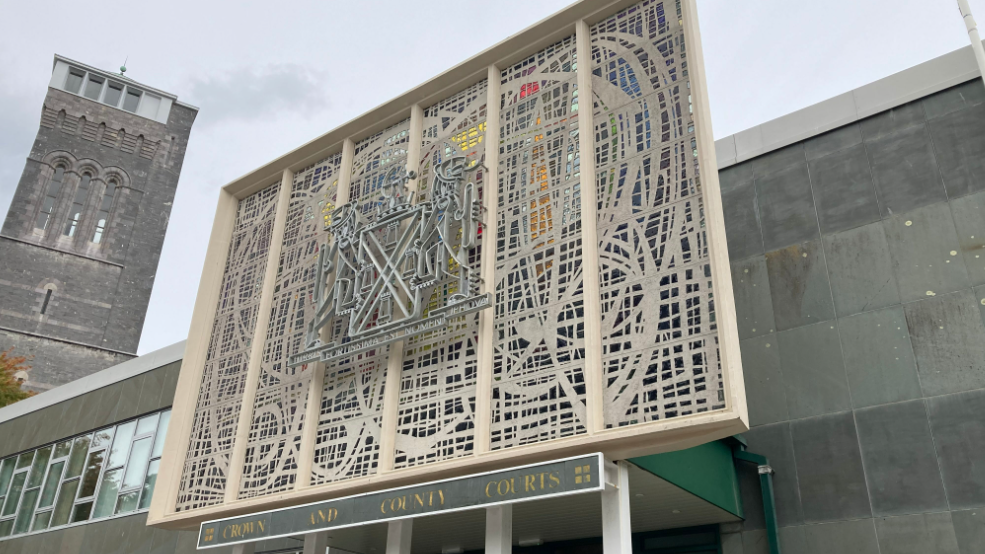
x: 976, y: 40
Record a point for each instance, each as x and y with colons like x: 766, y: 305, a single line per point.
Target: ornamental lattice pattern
x: 538, y: 379
x: 436, y: 413
x: 203, y: 480
x: 660, y: 344
x: 278, y: 411
x: 348, y: 437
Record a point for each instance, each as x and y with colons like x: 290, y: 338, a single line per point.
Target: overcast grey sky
x: 269, y: 76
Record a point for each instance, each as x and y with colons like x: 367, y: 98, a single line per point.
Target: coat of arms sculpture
x: 376, y: 282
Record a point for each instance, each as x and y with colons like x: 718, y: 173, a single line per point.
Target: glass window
x: 162, y: 431
x: 26, y: 511
x: 66, y: 496
x: 37, y: 470
x: 74, y: 82
x: 149, y: 483
x: 103, y: 214
x: 6, y: 471
x: 113, y: 93
x: 51, y: 485
x: 107, y: 493
x: 41, y: 521
x: 93, y: 87
x: 78, y: 205
x: 91, y: 478
x: 132, y: 100
x: 10, y: 505
x: 121, y: 446
x: 147, y: 424
x: 50, y: 198
x: 79, y: 450
x: 111, y: 471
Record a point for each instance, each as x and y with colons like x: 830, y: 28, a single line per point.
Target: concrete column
x: 594, y: 378
x: 487, y: 267
x: 499, y: 529
x: 245, y: 548
x: 616, y: 532
x: 316, y: 543
x: 398, y: 536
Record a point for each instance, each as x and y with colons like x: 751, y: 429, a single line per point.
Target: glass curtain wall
x: 95, y: 475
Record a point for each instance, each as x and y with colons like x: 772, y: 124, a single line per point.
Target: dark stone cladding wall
x: 858, y: 262
x: 102, y: 290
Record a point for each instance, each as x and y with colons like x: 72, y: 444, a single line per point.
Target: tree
x: 10, y: 385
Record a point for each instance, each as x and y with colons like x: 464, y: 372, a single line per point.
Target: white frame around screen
x: 616, y: 443
x: 84, y: 440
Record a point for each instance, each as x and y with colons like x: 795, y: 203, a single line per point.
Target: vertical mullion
x: 485, y: 350
x: 238, y: 456
x: 591, y: 288
x: 395, y: 361
x: 312, y: 407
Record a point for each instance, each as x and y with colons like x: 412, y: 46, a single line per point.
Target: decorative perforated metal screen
x: 220, y: 396
x: 525, y: 372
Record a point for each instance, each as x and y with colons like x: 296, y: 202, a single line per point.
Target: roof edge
x: 98, y: 380
x: 905, y: 86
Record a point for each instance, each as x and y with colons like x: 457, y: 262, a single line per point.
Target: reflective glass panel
x: 121, y: 445
x: 26, y: 511
x: 16, y: 486
x: 147, y: 424
x: 24, y: 459
x: 77, y: 461
x: 127, y: 502
x: 107, y: 493
x: 81, y: 512
x: 138, y: 463
x: 6, y: 471
x: 148, y: 491
x: 41, y: 521
x: 162, y: 430
x: 91, y: 477
x: 65, y: 499
x: 37, y: 470
x: 63, y: 449
x: 102, y: 438
x: 51, y: 485
x: 6, y: 527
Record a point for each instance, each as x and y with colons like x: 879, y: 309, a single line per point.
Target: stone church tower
x: 81, y: 242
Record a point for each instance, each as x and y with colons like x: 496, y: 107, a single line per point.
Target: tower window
x: 113, y: 94
x: 50, y: 199
x: 93, y: 87
x: 131, y: 101
x: 47, y: 298
x: 78, y: 205
x: 103, y: 216
x: 74, y: 82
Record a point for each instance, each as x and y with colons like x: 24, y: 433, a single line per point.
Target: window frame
x: 125, y: 89
x: 160, y: 425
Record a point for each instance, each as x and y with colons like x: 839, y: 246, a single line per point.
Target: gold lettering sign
x: 403, y: 503
x: 323, y: 516
x: 243, y: 530
x: 532, y: 482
